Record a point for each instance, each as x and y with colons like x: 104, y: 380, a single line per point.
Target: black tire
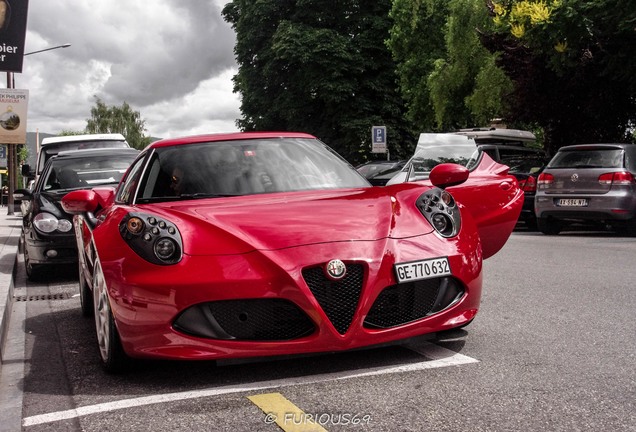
x: 86, y: 295
x: 531, y: 223
x: 114, y: 359
x: 549, y: 226
x: 34, y: 272
x: 629, y: 229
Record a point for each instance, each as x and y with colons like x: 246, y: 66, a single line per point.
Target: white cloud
x: 171, y: 60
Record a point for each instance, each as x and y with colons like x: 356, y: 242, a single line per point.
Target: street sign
x: 13, y: 24
x: 13, y: 116
x: 378, y: 139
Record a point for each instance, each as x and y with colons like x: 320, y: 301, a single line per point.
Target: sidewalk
x: 10, y: 226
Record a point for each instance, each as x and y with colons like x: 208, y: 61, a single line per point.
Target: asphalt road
x: 552, y: 349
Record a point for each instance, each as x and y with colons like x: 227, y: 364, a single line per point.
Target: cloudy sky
x: 171, y: 60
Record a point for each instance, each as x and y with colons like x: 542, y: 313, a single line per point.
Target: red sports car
x: 260, y: 244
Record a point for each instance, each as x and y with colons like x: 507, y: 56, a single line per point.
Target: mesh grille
x: 261, y: 319
x: 339, y: 299
x: 403, y: 303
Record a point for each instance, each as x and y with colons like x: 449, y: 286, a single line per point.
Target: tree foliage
x: 321, y: 67
x: 447, y: 77
x: 118, y: 119
x: 573, y: 64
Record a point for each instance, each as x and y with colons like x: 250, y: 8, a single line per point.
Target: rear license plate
x: 423, y: 269
x: 572, y: 202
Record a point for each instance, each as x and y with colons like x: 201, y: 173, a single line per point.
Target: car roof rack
x: 498, y: 135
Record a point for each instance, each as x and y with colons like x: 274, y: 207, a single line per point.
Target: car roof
x: 234, y: 136
x: 599, y: 146
x: 71, y: 154
x: 86, y: 137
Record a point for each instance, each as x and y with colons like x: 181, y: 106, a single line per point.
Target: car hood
x: 278, y: 221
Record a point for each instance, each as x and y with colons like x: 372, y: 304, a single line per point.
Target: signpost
x: 378, y: 140
x: 13, y: 23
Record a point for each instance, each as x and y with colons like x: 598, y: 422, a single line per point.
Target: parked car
x: 513, y: 147
x: 47, y: 231
x: 381, y: 171
x: 262, y: 244
x: 51, y: 146
x: 590, y: 184
x: 491, y: 194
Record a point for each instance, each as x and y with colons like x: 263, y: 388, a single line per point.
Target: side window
x: 492, y: 152
x: 127, y: 190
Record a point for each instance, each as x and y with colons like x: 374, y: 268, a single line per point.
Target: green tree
x: 447, y: 77
x: 321, y: 67
x: 573, y: 64
x: 68, y: 132
x: 118, y: 119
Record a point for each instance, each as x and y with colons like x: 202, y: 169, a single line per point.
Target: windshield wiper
x: 204, y: 195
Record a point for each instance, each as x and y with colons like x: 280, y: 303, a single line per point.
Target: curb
x: 9, y: 246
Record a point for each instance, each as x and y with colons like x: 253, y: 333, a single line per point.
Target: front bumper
x: 618, y: 206
x: 266, y: 303
x: 54, y: 250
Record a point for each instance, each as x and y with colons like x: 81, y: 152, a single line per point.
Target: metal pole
x: 11, y: 164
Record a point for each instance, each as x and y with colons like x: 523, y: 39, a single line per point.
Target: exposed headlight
x: 440, y: 209
x: 47, y: 223
x: 64, y: 225
x: 165, y: 249
x: 441, y: 222
x: 155, y: 240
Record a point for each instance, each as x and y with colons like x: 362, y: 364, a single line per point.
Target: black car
x: 525, y: 164
x: 512, y: 147
x: 47, y: 231
x: 381, y: 171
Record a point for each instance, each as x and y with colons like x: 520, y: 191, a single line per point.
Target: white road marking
x: 439, y: 357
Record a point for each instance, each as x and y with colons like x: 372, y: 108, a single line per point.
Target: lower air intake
x: 249, y: 319
x: 401, y: 304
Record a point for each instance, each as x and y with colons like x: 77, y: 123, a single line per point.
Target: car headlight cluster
x: 154, y: 239
x: 48, y: 223
x: 440, y: 209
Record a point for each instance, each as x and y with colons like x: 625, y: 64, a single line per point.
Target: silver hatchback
x: 592, y: 184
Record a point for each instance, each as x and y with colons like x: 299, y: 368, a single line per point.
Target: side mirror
x: 448, y: 174
x: 88, y: 200
x: 80, y: 201
x: 26, y: 171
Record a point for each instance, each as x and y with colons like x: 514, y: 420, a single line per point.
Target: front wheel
x: 549, y: 226
x: 114, y: 359
x: 34, y: 272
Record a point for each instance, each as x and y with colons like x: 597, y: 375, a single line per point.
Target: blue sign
x: 378, y: 139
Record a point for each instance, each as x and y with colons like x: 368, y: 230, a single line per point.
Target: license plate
x: 572, y: 202
x: 423, y: 269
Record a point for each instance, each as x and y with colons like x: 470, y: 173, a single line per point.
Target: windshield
x: 88, y: 172
x: 433, y: 149
x: 244, y: 167
x: 595, y: 158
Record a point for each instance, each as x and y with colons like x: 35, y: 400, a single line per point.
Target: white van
x: 53, y: 145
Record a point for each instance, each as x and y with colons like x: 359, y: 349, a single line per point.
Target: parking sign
x: 378, y: 139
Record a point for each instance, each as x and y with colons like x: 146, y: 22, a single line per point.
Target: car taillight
x: 619, y: 178
x: 545, y: 179
x: 529, y: 184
